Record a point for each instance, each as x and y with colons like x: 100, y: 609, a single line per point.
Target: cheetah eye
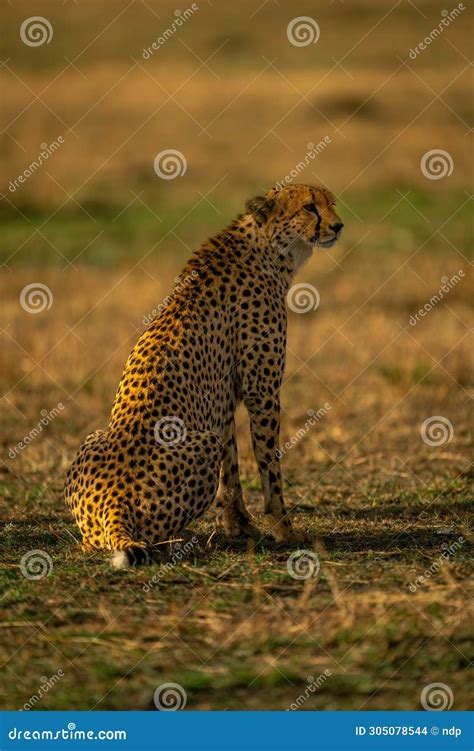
x: 311, y: 207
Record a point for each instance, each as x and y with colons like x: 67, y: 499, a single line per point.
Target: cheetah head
x: 297, y: 218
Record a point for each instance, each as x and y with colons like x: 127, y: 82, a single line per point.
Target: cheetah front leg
x: 264, y: 412
x: 233, y: 516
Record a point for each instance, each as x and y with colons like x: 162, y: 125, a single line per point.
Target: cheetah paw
x: 290, y: 535
x: 237, y: 530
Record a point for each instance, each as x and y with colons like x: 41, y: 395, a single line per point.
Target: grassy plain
x: 107, y: 236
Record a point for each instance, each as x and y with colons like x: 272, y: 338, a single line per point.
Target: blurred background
x: 93, y: 235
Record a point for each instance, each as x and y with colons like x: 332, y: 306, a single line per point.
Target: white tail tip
x: 120, y: 560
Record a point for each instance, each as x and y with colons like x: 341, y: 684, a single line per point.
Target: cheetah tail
x: 132, y: 555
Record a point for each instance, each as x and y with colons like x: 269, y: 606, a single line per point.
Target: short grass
x: 227, y: 621
x: 107, y: 236
x: 232, y: 627
x: 388, y: 613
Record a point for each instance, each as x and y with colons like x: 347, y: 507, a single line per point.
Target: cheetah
x: 170, y: 448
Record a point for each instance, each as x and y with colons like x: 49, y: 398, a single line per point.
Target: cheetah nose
x: 337, y: 227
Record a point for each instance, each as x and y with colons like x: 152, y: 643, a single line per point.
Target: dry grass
x: 228, y: 622
x: 246, y: 116
x: 380, y: 503
x: 107, y: 163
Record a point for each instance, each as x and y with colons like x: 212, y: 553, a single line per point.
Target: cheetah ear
x: 260, y: 207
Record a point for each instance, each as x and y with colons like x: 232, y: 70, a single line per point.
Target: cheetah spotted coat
x: 220, y: 339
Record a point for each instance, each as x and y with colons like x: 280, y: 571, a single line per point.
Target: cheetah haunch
x: 220, y: 339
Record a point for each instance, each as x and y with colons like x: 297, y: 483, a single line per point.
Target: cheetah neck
x: 288, y: 259
x: 284, y: 261
x: 244, y: 240
x: 299, y: 252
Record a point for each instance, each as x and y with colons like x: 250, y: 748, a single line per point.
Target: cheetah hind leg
x: 233, y: 517
x: 199, y: 451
